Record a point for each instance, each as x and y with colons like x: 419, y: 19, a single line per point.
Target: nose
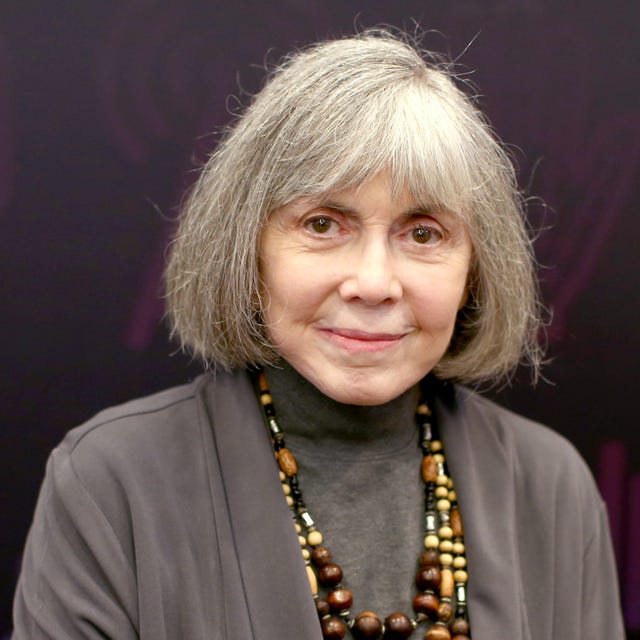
x: 371, y: 275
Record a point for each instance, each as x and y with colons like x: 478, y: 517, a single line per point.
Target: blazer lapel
x: 272, y: 571
x: 480, y: 460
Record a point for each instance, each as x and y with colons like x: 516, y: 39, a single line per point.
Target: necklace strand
x: 442, y: 569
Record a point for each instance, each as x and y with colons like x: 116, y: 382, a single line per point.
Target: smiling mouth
x: 357, y: 341
x: 354, y: 334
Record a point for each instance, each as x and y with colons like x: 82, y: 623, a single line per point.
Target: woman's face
x: 361, y: 291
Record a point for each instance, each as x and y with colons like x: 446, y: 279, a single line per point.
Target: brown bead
x: 397, y: 626
x: 340, y: 599
x: 367, y: 626
x: 429, y: 558
x: 456, y: 523
x: 320, y: 556
x: 330, y: 575
x: 445, y: 611
x: 428, y: 578
x: 460, y: 627
x: 322, y: 607
x: 333, y: 628
x: 429, y: 469
x: 426, y: 603
x: 287, y: 462
x: 446, y: 584
x: 438, y: 632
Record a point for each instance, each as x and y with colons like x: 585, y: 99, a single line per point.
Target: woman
x: 353, y: 248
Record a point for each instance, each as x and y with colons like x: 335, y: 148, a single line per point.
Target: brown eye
x: 320, y: 224
x: 422, y: 235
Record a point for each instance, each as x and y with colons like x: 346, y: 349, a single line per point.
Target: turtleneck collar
x: 313, y: 419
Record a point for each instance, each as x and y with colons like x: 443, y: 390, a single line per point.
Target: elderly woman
x: 353, y: 250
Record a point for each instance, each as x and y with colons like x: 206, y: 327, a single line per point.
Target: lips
x: 354, y: 334
x: 357, y: 341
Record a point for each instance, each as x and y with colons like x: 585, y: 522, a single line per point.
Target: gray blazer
x: 164, y: 519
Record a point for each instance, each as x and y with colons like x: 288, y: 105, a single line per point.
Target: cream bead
x: 446, y: 546
x: 298, y: 528
x: 446, y: 559
x: 441, y: 492
x: 453, y: 496
x: 266, y: 399
x: 443, y: 505
x: 282, y: 476
x: 302, y: 540
x: 450, y: 483
x: 286, y: 489
x: 313, y: 581
x: 306, y: 554
x: 446, y: 584
x: 289, y: 500
x: 438, y: 458
x: 445, y: 532
x: 459, y: 562
x: 436, y: 445
x: 458, y: 547
x: 442, y: 481
x: 460, y: 576
x: 315, y: 538
x: 431, y: 541
x: 423, y: 410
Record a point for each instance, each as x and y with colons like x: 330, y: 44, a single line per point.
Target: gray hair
x: 328, y: 118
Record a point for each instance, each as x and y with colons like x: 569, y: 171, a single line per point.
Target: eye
x: 322, y: 225
x: 423, y: 234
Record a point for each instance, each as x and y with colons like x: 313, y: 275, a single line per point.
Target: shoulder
x: 127, y: 448
x: 150, y: 457
x: 541, y: 458
x: 507, y: 422
x: 151, y: 419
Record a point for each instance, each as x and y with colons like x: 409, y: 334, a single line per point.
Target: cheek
x: 273, y: 275
x: 289, y: 292
x: 439, y: 302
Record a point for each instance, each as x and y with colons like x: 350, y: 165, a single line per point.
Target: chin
x: 366, y: 394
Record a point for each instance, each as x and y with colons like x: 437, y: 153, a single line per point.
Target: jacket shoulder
x: 540, y: 455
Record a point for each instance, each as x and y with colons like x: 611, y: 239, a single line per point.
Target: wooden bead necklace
x: 441, y: 567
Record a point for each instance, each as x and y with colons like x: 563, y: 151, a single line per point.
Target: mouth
x: 356, y: 341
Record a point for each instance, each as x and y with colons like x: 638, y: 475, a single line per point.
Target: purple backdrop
x: 104, y: 110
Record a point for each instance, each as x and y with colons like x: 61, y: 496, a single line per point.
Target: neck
x: 307, y: 414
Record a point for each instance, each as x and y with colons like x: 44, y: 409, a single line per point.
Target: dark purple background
x: 104, y: 107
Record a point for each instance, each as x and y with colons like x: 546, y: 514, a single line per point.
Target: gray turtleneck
x: 359, y: 471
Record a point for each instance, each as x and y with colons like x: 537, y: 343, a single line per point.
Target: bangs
x: 408, y: 130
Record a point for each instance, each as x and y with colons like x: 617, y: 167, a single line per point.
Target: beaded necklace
x: 442, y: 565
